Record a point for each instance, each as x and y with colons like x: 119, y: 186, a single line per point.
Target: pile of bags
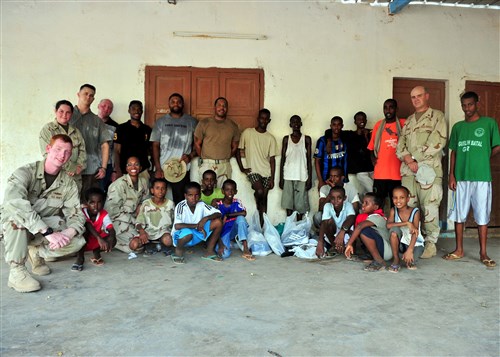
x: 294, y: 239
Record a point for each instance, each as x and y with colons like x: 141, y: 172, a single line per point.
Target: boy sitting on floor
x: 195, y: 222
x: 154, y: 221
x: 233, y: 220
x: 335, y: 178
x: 338, y: 217
x: 371, y: 227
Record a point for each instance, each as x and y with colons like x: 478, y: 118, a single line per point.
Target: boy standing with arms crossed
x: 260, y: 149
x: 295, y: 170
x: 472, y: 143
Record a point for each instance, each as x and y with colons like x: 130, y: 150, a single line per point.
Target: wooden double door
x: 243, y: 88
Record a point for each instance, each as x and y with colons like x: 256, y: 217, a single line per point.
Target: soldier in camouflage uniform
x: 78, y: 161
x: 422, y: 141
x: 41, y: 215
x: 123, y: 202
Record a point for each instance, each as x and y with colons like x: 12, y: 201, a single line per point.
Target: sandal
x: 394, y: 268
x: 451, y: 256
x: 177, y: 259
x: 97, y: 261
x: 214, y: 258
x: 374, y: 266
x: 490, y: 263
x: 411, y: 266
x: 248, y: 257
x: 77, y: 267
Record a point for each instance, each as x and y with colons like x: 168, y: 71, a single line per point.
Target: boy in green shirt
x: 472, y: 143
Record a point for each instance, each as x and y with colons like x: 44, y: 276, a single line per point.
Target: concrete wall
x: 320, y: 59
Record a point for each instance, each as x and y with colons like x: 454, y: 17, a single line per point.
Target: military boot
x: 38, y: 266
x: 20, y: 280
x: 429, y: 250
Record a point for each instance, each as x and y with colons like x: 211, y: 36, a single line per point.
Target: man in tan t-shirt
x: 216, y: 141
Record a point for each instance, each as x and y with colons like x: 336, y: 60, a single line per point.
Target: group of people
x: 96, y: 188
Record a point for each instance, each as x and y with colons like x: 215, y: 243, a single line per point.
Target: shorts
x: 294, y: 196
x: 197, y: 235
x: 383, y: 246
x: 254, y: 178
x: 475, y: 193
x: 404, y: 238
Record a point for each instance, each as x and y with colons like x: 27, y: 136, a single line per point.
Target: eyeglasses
x: 136, y: 164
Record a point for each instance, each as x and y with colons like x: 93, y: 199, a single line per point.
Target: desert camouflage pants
x: 17, y: 240
x: 428, y: 198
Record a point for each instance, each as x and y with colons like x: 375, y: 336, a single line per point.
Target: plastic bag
x: 296, y: 233
x: 306, y: 251
x: 256, y: 241
x: 273, y: 237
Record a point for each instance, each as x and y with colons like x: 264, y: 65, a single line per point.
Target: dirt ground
x: 271, y: 307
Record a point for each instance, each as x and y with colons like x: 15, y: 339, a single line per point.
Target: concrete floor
x: 271, y: 307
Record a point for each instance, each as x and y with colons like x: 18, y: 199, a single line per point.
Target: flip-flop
x: 97, y: 262
x: 411, y: 266
x: 451, y: 256
x: 394, y: 268
x: 177, y: 259
x: 77, y: 267
x: 248, y: 257
x: 214, y: 258
x: 374, y: 266
x: 490, y: 263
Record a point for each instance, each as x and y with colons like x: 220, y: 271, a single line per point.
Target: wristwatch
x: 48, y: 232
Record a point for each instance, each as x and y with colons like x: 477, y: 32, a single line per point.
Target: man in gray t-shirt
x: 96, y: 136
x: 172, y: 138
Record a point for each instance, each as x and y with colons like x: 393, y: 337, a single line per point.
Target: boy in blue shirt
x: 233, y: 220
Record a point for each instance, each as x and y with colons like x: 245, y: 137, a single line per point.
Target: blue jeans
x: 240, y: 229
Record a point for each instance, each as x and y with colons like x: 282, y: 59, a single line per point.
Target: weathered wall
x: 320, y: 59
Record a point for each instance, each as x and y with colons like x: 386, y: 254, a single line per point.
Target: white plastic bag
x: 256, y: 240
x: 273, y: 237
x: 296, y: 233
x: 306, y: 251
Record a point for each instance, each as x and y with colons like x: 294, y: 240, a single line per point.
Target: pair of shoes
x: 490, y: 263
x: 20, y: 280
x: 38, y: 266
x: 177, y: 259
x: 248, y: 257
x: 77, y: 267
x: 411, y: 266
x: 429, y: 250
x: 97, y: 261
x: 394, y: 268
x: 374, y: 266
x: 452, y: 256
x: 214, y: 258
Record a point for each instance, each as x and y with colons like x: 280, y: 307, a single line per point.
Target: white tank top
x: 295, y: 168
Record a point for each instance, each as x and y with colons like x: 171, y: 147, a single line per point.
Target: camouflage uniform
x: 122, y: 203
x: 79, y: 154
x: 29, y: 207
x: 424, y: 139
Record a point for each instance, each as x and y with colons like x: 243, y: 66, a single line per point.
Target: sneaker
x: 38, y: 266
x: 429, y: 250
x: 21, y: 281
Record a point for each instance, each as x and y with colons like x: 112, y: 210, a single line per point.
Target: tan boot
x: 20, y: 280
x: 38, y: 266
x: 429, y: 251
